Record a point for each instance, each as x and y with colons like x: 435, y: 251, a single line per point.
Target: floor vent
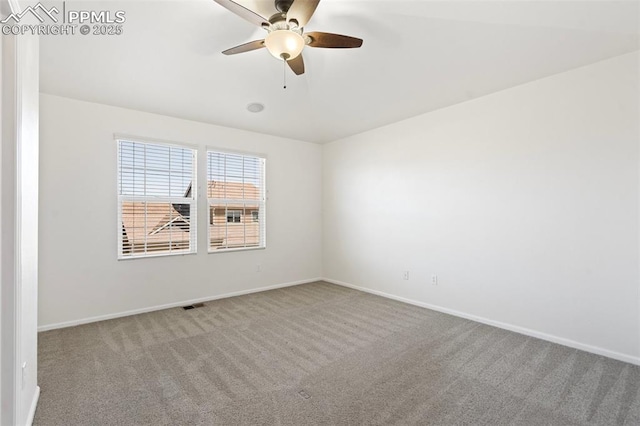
x: 195, y: 305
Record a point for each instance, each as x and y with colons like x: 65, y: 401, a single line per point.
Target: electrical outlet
x: 405, y: 275
x: 434, y: 279
x: 258, y: 268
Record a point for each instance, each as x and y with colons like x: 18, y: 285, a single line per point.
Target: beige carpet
x: 321, y: 354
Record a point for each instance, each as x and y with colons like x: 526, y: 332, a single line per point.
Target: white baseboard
x: 81, y: 321
x: 526, y: 331
x: 34, y: 405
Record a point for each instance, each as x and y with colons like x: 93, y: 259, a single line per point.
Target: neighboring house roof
x: 161, y: 225
x: 232, y: 190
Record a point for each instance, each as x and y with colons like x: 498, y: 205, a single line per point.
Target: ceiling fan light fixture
x: 284, y: 44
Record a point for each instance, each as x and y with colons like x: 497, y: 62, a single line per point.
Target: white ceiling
x: 417, y: 56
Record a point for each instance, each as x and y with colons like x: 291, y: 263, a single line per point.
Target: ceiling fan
x: 286, y: 38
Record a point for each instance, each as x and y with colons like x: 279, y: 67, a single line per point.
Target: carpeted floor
x: 321, y: 354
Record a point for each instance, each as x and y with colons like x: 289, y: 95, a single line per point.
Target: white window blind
x: 156, y: 199
x: 236, y: 194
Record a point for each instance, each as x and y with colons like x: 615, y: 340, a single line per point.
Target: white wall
x: 80, y: 277
x: 524, y: 203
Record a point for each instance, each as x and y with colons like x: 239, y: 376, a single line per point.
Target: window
x: 233, y: 216
x: 156, y: 200
x: 236, y: 195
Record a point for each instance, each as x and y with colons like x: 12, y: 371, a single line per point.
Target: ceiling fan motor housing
x: 283, y: 5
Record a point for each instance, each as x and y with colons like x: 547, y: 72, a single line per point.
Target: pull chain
x: 284, y: 73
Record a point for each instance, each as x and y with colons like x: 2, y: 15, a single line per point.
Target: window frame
x: 262, y: 202
x: 192, y: 201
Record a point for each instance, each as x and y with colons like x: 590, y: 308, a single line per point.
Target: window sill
x: 235, y: 249
x: 151, y: 256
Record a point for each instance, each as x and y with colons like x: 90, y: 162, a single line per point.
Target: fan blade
x: 297, y: 64
x: 333, y: 41
x: 301, y: 11
x: 247, y: 47
x: 243, y: 12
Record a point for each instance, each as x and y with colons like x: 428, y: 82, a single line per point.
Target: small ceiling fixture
x: 286, y: 37
x: 255, y: 107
